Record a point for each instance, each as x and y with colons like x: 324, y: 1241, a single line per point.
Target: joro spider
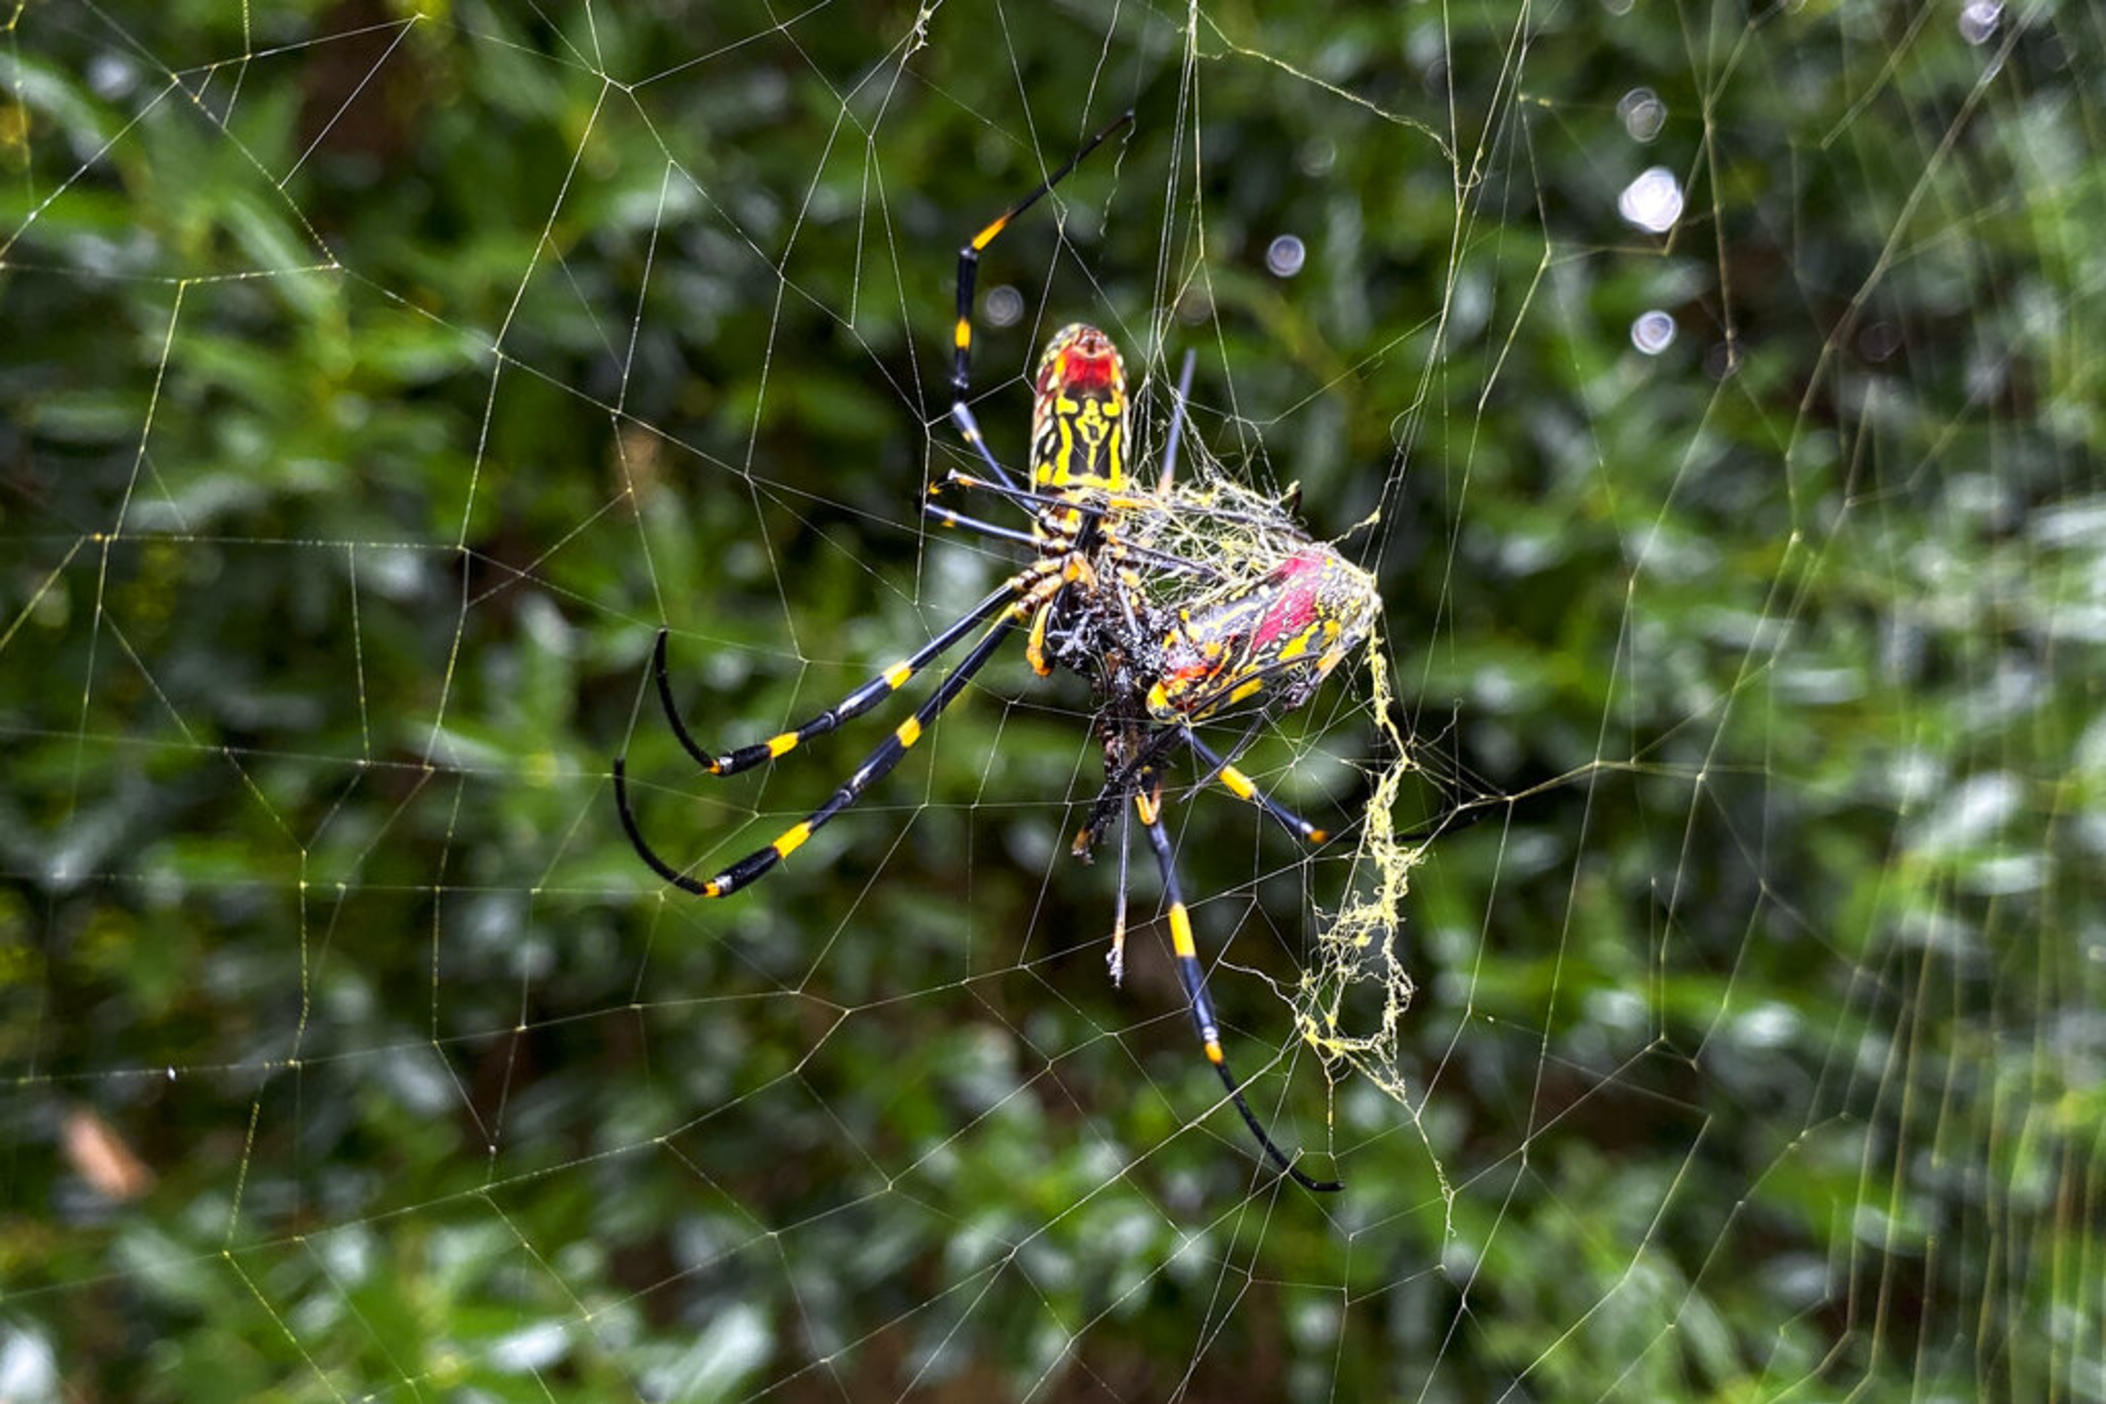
x: 1180, y: 605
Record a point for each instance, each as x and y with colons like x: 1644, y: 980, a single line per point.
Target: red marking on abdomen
x: 1075, y: 370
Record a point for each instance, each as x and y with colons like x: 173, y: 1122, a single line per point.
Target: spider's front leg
x: 887, y: 682
x: 968, y: 276
x: 1015, y: 602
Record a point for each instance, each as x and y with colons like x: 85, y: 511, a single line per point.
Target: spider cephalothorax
x: 1179, y: 603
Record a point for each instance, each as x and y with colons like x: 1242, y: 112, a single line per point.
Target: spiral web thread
x: 353, y: 1056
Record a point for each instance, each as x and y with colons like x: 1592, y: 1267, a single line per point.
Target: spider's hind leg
x: 1148, y: 804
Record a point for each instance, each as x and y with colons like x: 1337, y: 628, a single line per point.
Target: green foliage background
x: 375, y: 382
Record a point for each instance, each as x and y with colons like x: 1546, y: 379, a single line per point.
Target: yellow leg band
x: 986, y: 236
x: 1035, y: 648
x: 1181, y: 930
x: 792, y: 841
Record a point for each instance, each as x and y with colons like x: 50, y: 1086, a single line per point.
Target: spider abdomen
x: 1078, y: 413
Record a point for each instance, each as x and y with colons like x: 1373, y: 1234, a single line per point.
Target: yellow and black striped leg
x: 854, y: 705
x: 1097, y: 511
x: 876, y: 765
x: 1028, y: 498
x: 1035, y: 647
x: 1244, y: 788
x: 1107, y: 505
x: 968, y: 274
x: 1149, y: 804
x: 947, y: 517
x: 962, y: 416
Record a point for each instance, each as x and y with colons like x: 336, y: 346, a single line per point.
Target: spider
x: 1181, y: 604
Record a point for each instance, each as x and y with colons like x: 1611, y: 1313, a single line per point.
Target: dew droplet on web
x: 1005, y: 306
x: 1653, y: 331
x: 1653, y: 201
x: 1642, y: 113
x: 1979, y: 19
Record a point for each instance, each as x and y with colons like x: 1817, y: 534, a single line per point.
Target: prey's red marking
x: 1295, y: 608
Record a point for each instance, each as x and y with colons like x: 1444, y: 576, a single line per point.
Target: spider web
x: 1699, y: 1000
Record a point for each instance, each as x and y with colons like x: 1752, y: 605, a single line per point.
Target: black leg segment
x: 855, y: 704
x: 875, y: 766
x: 1195, y: 981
